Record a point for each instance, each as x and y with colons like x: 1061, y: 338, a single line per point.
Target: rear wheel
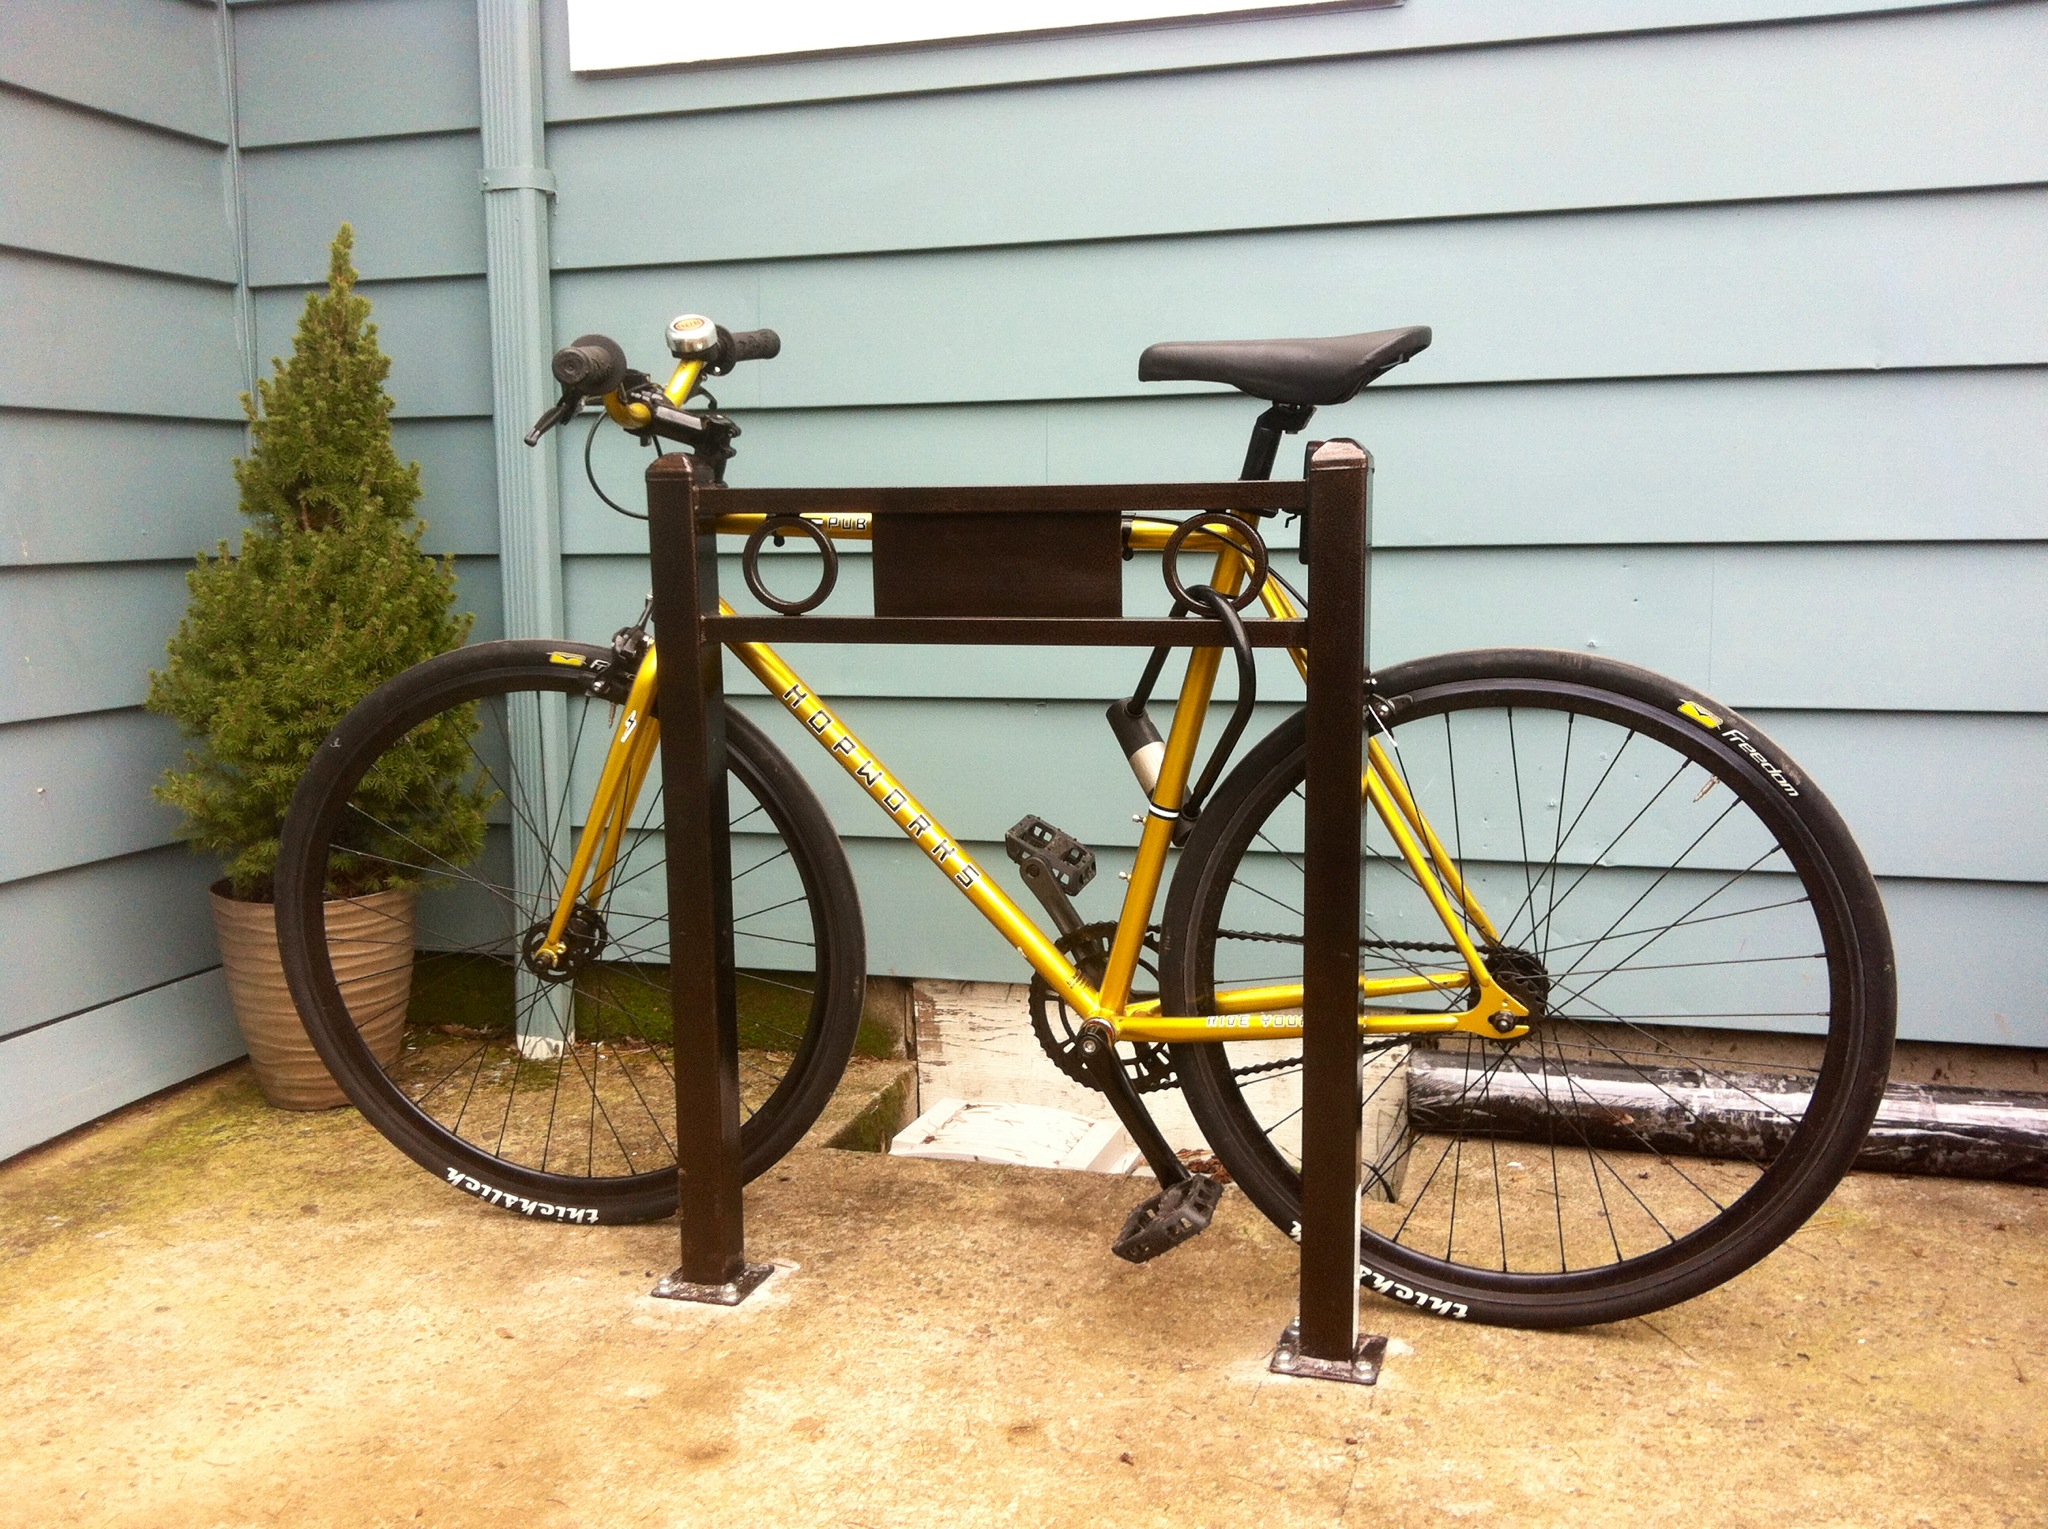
x: 549, y: 1090
x: 1702, y: 948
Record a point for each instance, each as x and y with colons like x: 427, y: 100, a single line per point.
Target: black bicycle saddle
x: 1285, y: 371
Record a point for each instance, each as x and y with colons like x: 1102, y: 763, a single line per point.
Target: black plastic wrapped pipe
x: 1921, y: 1128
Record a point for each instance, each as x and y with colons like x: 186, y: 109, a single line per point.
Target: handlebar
x: 735, y: 346
x: 591, y: 365
x: 594, y: 366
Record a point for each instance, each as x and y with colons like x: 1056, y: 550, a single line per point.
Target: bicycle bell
x: 691, y: 334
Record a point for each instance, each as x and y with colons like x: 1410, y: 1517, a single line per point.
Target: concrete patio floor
x: 212, y: 1313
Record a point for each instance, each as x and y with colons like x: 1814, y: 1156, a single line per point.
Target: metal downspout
x: 516, y: 191
x: 237, y: 200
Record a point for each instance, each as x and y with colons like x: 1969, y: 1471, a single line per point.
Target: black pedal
x: 1176, y: 1214
x: 1071, y: 862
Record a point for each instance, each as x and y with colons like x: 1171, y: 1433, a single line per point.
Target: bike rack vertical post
x: 1324, y: 1342
x: 691, y: 706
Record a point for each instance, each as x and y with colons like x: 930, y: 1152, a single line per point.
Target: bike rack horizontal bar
x: 1007, y: 631
x: 1290, y: 495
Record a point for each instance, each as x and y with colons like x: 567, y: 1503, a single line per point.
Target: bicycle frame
x: 1241, y: 1013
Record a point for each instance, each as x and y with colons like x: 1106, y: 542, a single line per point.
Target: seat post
x: 1278, y: 420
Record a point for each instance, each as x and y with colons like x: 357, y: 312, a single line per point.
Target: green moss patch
x: 615, y: 999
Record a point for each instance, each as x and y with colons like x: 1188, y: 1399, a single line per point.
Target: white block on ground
x: 1020, y: 1135
x: 974, y: 1041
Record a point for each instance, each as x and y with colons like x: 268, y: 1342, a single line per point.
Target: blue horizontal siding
x: 56, y: 1078
x: 78, y: 790
x: 416, y: 205
x: 1931, y: 795
x: 154, y: 61
x: 1874, y: 456
x: 131, y: 610
x: 103, y: 488
x: 123, y: 357
x: 95, y: 933
x: 306, y: 73
x: 1973, y: 965
x: 1678, y: 292
x: 86, y: 337
x: 1771, y: 287
x: 1830, y: 108
x: 161, y: 202
x: 437, y: 333
x: 458, y: 482
x: 1463, y: 24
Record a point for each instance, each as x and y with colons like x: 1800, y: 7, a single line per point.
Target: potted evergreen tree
x: 329, y: 596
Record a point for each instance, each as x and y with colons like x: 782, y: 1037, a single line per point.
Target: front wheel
x: 548, y: 1089
x: 1700, y: 944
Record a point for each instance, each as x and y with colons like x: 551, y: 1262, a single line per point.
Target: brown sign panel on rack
x: 1018, y: 564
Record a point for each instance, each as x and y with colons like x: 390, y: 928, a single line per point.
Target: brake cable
x: 590, y: 469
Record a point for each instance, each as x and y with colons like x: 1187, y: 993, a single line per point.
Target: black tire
x: 1640, y: 825
x: 481, y: 1092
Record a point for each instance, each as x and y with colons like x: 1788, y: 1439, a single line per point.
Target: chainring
x: 1148, y: 1064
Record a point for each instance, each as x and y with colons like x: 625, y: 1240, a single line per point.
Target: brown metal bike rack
x: 989, y: 537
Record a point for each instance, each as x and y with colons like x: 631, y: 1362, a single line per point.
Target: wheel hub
x: 1522, y: 975
x: 583, y: 940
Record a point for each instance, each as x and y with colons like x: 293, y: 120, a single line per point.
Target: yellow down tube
x: 922, y: 829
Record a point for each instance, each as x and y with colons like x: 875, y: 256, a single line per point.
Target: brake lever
x: 563, y: 411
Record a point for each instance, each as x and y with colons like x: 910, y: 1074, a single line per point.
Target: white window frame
x: 606, y: 36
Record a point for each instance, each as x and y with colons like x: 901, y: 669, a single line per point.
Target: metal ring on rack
x: 779, y: 526
x: 1243, y: 535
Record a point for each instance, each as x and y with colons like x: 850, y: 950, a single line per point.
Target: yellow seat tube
x: 1162, y: 813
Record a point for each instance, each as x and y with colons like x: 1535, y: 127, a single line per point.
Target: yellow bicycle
x: 1626, y: 997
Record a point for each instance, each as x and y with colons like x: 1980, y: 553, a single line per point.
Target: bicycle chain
x: 1295, y: 939
x: 1252, y: 1070
x: 1152, y: 1071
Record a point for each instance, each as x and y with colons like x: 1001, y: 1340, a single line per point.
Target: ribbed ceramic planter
x: 370, y: 940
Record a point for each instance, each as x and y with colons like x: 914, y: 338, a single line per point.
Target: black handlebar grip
x: 754, y: 345
x: 591, y: 364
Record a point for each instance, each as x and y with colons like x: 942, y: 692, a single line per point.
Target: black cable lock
x: 1220, y: 607
x: 1134, y: 730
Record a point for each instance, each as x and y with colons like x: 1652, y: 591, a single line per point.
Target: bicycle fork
x: 635, y: 738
